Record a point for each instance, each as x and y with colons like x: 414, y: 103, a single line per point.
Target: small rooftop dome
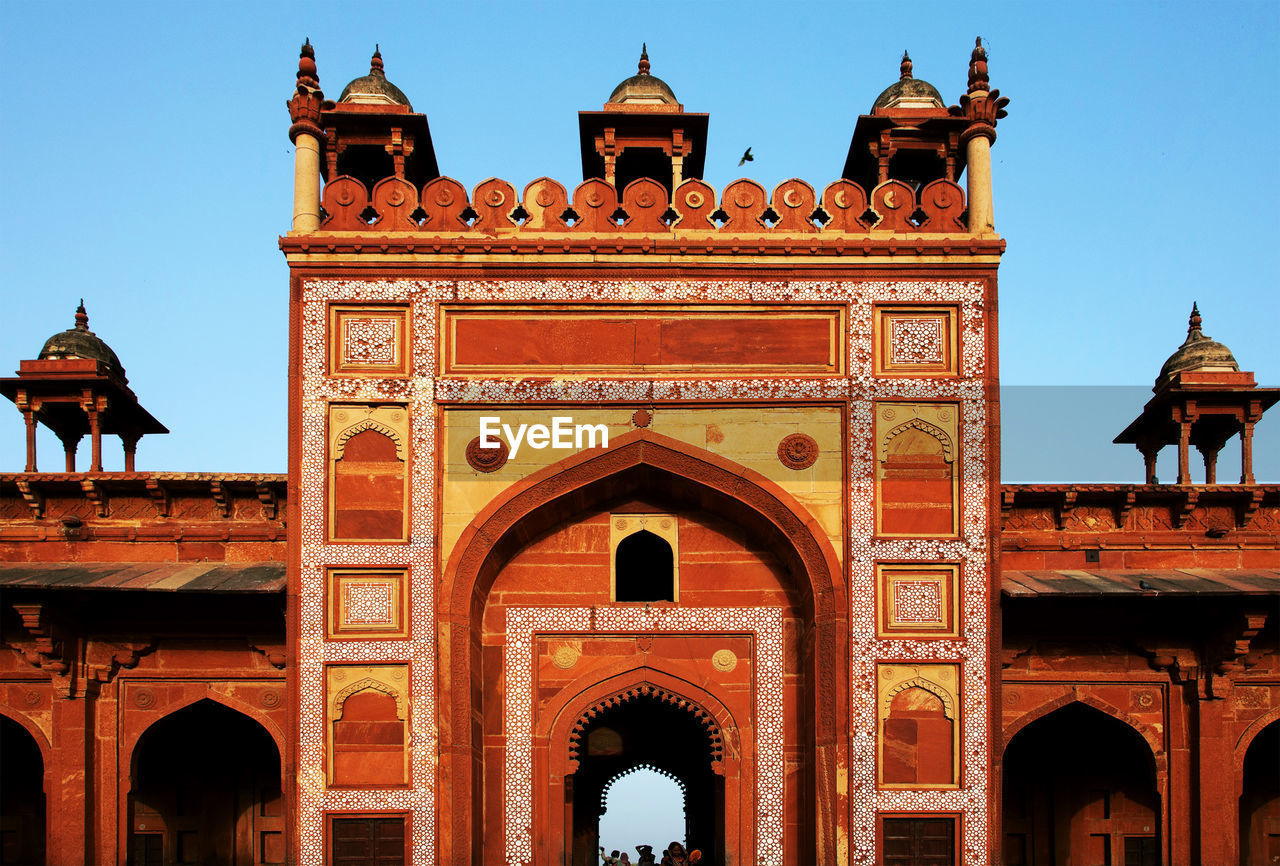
x: 374, y: 89
x: 80, y: 342
x: 643, y: 88
x: 908, y: 92
x: 1197, y: 353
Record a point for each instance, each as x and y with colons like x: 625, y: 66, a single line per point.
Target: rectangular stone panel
x: 590, y: 339
x: 368, y: 481
x: 918, y: 707
x: 367, y: 741
x: 917, y: 469
x: 368, y: 340
x: 915, y: 341
x: 367, y: 604
x: 918, y: 600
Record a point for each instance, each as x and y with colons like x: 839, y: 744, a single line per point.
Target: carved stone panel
x: 367, y: 603
x: 368, y: 719
x: 915, y: 341
x: 917, y: 471
x: 918, y: 601
x: 368, y: 478
x: 919, y: 725
x: 368, y: 341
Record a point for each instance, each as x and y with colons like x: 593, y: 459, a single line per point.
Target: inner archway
x: 1080, y: 786
x: 642, y: 806
x: 22, y: 803
x: 647, y: 727
x: 1260, y: 799
x: 206, y: 789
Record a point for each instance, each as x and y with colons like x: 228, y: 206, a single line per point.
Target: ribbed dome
x: 909, y: 92
x: 374, y: 88
x: 80, y: 342
x: 643, y: 88
x: 1197, y: 353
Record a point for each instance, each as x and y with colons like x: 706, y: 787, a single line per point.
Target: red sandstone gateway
x: 791, y: 582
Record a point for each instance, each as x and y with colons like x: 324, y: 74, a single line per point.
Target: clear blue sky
x: 147, y: 168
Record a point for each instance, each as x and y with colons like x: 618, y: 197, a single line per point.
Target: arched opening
x: 651, y: 729
x: 1260, y: 799
x: 205, y: 788
x: 22, y: 804
x: 545, y: 543
x: 644, y: 568
x: 1080, y: 787
x: 642, y: 806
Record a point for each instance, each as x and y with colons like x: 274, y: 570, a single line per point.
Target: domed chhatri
x: 643, y: 88
x: 1197, y: 353
x: 80, y: 342
x: 374, y: 88
x: 908, y: 91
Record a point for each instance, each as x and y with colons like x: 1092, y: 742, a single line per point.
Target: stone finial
x: 978, y: 68
x: 82, y: 317
x: 308, y: 98
x: 905, y: 69
x: 643, y: 66
x: 307, y: 74
x: 375, y: 63
x: 1193, y: 323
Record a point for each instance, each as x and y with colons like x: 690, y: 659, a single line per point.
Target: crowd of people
x: 674, y: 855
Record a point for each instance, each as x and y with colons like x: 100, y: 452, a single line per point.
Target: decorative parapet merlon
x: 546, y: 208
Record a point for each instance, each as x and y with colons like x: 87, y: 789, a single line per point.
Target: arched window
x: 644, y: 568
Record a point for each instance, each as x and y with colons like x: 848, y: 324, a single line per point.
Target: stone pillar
x: 1217, y: 806
x: 1210, y: 456
x: 978, y: 140
x: 1149, y: 455
x: 95, y: 440
x: 70, y: 442
x: 304, y: 111
x: 1246, y: 453
x: 1184, y: 452
x: 983, y: 107
x: 306, y: 183
x: 130, y: 442
x: 69, y: 814
x: 29, y: 416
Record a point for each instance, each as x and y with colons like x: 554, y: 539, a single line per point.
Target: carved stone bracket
x: 104, y: 659
x: 220, y: 498
x: 1065, y: 507
x: 160, y: 496
x: 1250, y: 508
x: 274, y: 654
x: 33, y: 497
x: 1183, y: 509
x: 94, y: 492
x: 43, y: 649
x: 270, y: 502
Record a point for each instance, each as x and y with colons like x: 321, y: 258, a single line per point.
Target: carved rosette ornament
x: 981, y: 105
x: 798, y: 451
x: 487, y: 459
x: 308, y: 98
x: 641, y: 418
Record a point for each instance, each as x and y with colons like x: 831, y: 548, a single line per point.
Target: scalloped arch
x: 948, y: 448
x: 340, y: 443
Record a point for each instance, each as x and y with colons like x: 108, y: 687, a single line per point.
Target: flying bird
x: 746, y: 157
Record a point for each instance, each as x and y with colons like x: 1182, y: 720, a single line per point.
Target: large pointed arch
x: 557, y: 492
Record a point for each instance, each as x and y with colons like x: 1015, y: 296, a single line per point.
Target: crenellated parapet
x: 546, y: 207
